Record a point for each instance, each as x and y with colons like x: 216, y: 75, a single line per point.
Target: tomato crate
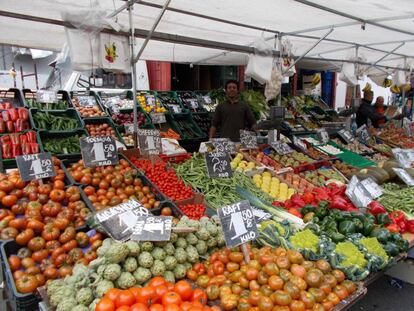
x: 176, y: 158
x: 13, y: 96
x: 198, y: 198
x: 104, y: 120
x: 43, y: 136
x: 63, y: 97
x: 176, y: 212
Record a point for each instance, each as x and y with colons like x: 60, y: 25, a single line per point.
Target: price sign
x: 299, y: 143
x: 346, y: 136
x: 372, y: 187
x: 158, y: 118
x: 119, y: 221
x: 357, y: 193
x: 152, y: 228
x: 363, y: 134
x: 224, y: 145
x: 129, y: 128
x: 281, y: 148
x: 218, y: 165
x: 207, y: 99
x: 407, y: 127
x: 149, y: 141
x: 238, y: 223
x: 99, y: 151
x: 404, y: 156
x: 271, y: 136
x: 43, y: 96
x: 35, y: 166
x: 323, y: 135
x: 87, y: 100
x: 277, y: 112
x: 193, y: 103
x: 405, y: 177
x: 248, y: 139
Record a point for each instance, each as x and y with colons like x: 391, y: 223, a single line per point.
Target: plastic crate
x: 68, y: 113
x: 176, y: 158
x: 103, y: 120
x: 203, y: 120
x: 185, y: 121
x: 164, y: 96
x: 186, y: 98
x: 42, y: 135
x: 95, y: 96
x: 11, y: 163
x: 18, y: 301
x: 12, y: 95
x: 61, y: 95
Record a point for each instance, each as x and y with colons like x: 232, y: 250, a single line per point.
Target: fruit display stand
x: 12, y: 96
x: 171, y: 101
x: 63, y: 101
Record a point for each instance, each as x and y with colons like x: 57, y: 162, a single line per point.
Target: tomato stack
x: 158, y: 295
x: 111, y: 185
x: 274, y: 279
x: 165, y: 179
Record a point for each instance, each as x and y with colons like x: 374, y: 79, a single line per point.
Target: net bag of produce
x: 273, y: 86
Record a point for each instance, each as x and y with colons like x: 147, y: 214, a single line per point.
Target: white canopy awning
x: 219, y: 32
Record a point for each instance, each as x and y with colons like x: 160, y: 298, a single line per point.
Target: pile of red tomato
x: 158, y: 295
x: 51, y: 255
x: 193, y: 211
x: 111, y: 185
x: 164, y: 178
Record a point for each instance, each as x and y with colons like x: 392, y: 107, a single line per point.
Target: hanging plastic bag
x: 272, y: 89
x: 259, y: 66
x: 287, y: 60
x: 114, y: 53
x: 400, y: 78
x: 347, y: 74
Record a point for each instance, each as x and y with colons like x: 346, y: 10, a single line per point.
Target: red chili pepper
x: 7, y: 150
x: 10, y: 126
x: 410, y: 225
x: 16, y: 150
x: 393, y: 228
x: 34, y: 147
x: 26, y: 125
x: 19, y: 125
x: 26, y: 149
x: 14, y: 114
x: 376, y: 208
x: 23, y: 114
x: 31, y: 137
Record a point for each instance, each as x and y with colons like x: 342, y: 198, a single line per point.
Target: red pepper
x: 31, y: 137
x: 410, y: 225
x: 397, y: 217
x: 297, y: 201
x: 23, y: 139
x: 8, y: 105
x: 19, y: 125
x: 7, y: 151
x: 393, y: 228
x: 15, y: 138
x: 288, y: 204
x: 26, y: 125
x: 339, y: 202
x: 5, y: 139
x: 23, y: 114
x: 2, y: 126
x: 308, y: 197
x: 10, y: 126
x: 321, y: 194
x: 376, y: 208
x: 402, y: 226
x: 5, y: 115
x: 26, y: 149
x: 14, y: 114
x: 16, y: 150
x: 34, y: 147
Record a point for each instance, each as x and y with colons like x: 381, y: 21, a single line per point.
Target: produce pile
x: 16, y: 144
x: 397, y: 136
x: 172, y: 103
x: 344, y: 168
x: 101, y: 129
x: 203, y: 121
x: 88, y: 110
x: 241, y: 164
x: 128, y: 118
x: 47, y: 121
x: 354, y: 146
x: 188, y: 129
x: 118, y: 102
x: 322, y: 176
x: 265, y: 160
x: 273, y: 186
x: 256, y: 102
x: 150, y: 104
x: 130, y: 264
x: 111, y: 185
x: 14, y: 120
x: 274, y: 279
x: 293, y: 159
x: 164, y: 178
x: 59, y: 105
x: 66, y: 145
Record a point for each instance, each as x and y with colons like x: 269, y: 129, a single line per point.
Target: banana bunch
x: 367, y: 87
x: 395, y: 89
x: 316, y: 79
x: 387, y: 83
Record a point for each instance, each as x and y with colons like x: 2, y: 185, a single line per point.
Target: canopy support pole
x: 164, y: 8
x: 386, y: 55
x: 127, y: 5
x: 134, y: 71
x: 354, y: 91
x: 311, y: 48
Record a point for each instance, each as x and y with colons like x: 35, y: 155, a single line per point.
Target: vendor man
x: 367, y: 111
x: 232, y: 115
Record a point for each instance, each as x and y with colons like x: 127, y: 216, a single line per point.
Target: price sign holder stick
x: 245, y: 252
x: 183, y: 229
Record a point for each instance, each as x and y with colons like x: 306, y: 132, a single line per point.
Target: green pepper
x: 336, y: 236
x: 337, y: 215
x: 383, y: 219
x: 368, y: 227
x: 402, y: 245
x: 359, y: 226
x: 347, y: 227
x: 370, y: 217
x: 323, y: 204
x: 391, y: 249
x: 307, y: 209
x: 381, y: 234
x: 321, y: 212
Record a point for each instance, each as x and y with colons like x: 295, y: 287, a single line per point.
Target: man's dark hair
x: 232, y: 82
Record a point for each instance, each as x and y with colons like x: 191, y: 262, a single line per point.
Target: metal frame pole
x: 134, y: 72
x: 385, y: 56
x: 158, y: 19
x: 356, y: 70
